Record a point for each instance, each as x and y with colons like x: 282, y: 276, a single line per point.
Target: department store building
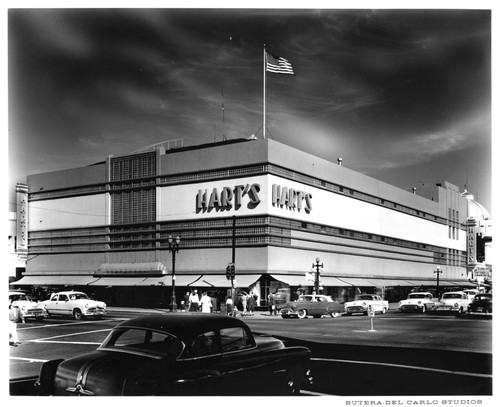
x: 269, y: 208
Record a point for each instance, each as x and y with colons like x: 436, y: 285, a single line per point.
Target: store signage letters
x: 471, y: 245
x: 227, y: 198
x: 291, y: 199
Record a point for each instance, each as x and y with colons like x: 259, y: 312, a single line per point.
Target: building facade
x: 270, y: 209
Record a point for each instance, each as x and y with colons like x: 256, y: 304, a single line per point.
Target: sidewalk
x: 131, y: 310
x: 257, y: 314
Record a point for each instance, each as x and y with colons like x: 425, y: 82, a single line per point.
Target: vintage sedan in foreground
x: 74, y: 303
x: 453, y: 301
x: 314, y: 305
x: 482, y: 304
x: 417, y: 302
x: 28, y: 308
x: 360, y: 305
x: 176, y: 354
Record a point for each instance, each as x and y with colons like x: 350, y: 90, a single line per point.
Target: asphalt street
x: 351, y: 356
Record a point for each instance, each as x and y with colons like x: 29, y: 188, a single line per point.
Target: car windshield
x: 417, y: 296
x: 482, y: 298
x: 454, y: 296
x: 139, y: 340
x: 78, y: 296
x: 19, y: 297
x: 305, y: 298
x: 365, y: 297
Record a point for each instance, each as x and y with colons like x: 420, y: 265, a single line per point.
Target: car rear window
x: 144, y: 341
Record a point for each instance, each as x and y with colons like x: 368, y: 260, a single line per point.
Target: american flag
x: 277, y: 64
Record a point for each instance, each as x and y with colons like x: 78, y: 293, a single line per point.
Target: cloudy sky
x: 403, y: 96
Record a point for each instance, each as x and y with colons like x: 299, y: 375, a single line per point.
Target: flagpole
x: 264, y: 104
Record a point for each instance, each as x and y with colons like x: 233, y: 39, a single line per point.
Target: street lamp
x: 173, y: 247
x: 317, y: 266
x: 437, y: 272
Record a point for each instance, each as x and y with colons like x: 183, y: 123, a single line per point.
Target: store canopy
x: 36, y: 280
x: 358, y: 282
x: 293, y: 280
x: 383, y: 282
x: 180, y: 280
x: 217, y: 280
x: 245, y: 280
x: 118, y: 281
x: 75, y: 280
x: 329, y: 281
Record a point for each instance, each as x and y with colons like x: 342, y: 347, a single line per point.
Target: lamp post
x: 437, y: 272
x: 173, y: 247
x: 317, y: 266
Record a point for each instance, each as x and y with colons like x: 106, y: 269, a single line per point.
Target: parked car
x: 419, y: 302
x: 29, y: 308
x: 314, y: 305
x: 360, y: 305
x: 74, y: 303
x: 176, y: 354
x: 471, y: 293
x: 481, y: 304
x: 453, y: 301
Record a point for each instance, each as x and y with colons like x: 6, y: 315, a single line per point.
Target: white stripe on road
x: 29, y: 359
x: 19, y: 328
x: 430, y: 369
x: 66, y: 335
x: 66, y: 342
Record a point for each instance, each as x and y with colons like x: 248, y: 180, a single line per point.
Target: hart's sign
x: 292, y: 199
x: 227, y: 198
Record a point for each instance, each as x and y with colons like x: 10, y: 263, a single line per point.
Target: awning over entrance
x: 75, y: 280
x: 118, y: 281
x: 358, y: 282
x: 208, y: 280
x: 116, y: 268
x: 292, y: 280
x: 329, y: 281
x: 383, y: 282
x: 180, y: 280
x: 36, y: 280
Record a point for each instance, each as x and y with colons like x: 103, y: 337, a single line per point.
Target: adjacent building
x: 269, y: 209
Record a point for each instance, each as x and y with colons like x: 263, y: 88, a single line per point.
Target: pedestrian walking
x: 229, y: 306
x: 244, y: 299
x: 214, y: 303
x: 194, y: 301
x: 272, y: 304
x: 251, y: 303
x: 205, y: 302
x: 185, y: 302
x: 15, y: 315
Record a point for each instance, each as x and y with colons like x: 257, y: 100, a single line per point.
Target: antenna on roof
x: 223, y: 120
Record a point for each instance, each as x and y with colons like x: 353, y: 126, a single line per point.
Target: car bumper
x: 356, y: 310
x: 446, y: 308
x: 410, y: 308
x: 95, y: 312
x: 479, y: 311
x: 35, y: 314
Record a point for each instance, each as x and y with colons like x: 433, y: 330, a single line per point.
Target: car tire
x: 335, y: 314
x: 302, y: 313
x: 77, y: 314
x: 384, y: 310
x: 423, y: 310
